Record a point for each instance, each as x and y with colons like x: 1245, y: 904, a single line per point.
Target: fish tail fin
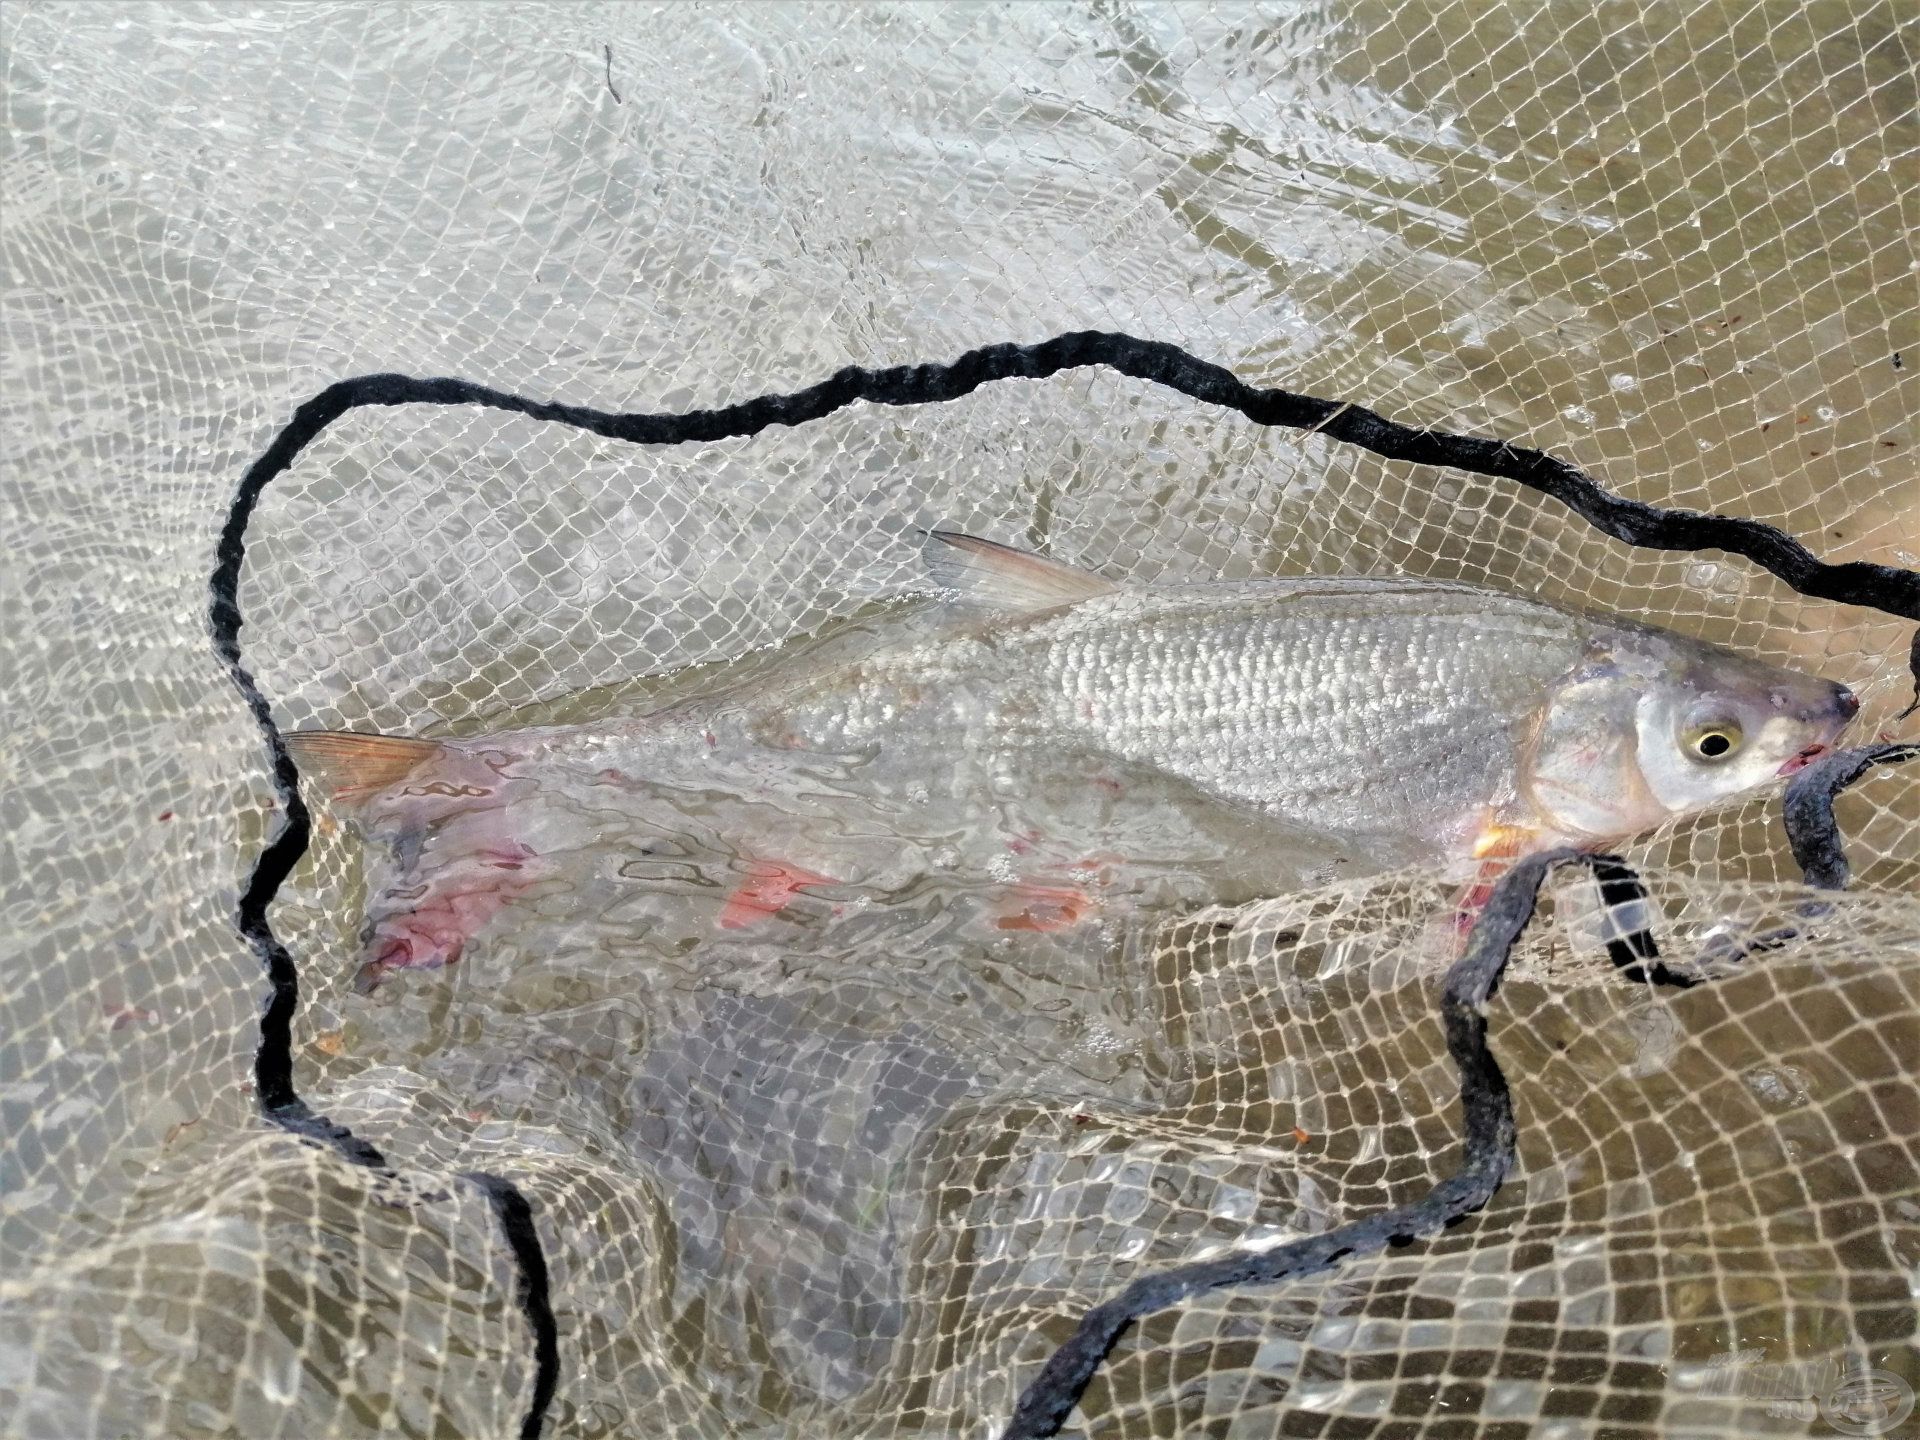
x: 350, y: 767
x: 998, y: 577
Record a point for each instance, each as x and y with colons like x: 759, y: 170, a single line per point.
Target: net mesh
x: 784, y: 1190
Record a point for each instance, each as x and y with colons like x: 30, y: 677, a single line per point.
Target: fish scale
x: 1373, y: 708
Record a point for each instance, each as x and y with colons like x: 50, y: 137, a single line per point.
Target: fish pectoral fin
x: 999, y: 577
x: 1496, y: 841
x: 1496, y: 847
x: 349, y: 766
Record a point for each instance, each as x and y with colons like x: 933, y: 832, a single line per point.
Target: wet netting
x: 1614, y: 305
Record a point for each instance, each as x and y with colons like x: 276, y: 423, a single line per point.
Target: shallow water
x: 817, y: 1178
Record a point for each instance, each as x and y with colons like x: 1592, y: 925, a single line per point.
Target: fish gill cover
x: 898, y: 1181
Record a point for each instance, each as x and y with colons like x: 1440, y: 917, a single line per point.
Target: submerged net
x: 845, y: 1181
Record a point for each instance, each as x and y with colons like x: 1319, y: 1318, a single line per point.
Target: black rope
x: 1808, y: 811
x: 1913, y: 668
x: 1635, y: 954
x: 1881, y: 587
x: 1855, y: 582
x: 273, y: 1083
x: 274, y: 1088
x: 515, y: 1215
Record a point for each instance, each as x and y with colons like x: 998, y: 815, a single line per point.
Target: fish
x: 1419, y: 720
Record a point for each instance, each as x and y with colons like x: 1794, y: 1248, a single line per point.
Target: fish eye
x: 1713, y: 740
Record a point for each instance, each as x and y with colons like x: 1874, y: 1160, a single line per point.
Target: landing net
x: 568, y: 1188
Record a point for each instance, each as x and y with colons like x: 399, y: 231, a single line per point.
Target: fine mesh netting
x: 857, y: 1175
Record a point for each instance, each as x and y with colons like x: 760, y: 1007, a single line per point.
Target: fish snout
x: 1817, y: 702
x: 1842, y: 706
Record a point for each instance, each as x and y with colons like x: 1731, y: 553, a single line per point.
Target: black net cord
x: 1811, y: 830
x: 514, y: 1212
x: 1894, y: 591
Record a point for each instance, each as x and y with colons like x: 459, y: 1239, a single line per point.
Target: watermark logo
x: 1867, y: 1402
x: 1851, y: 1397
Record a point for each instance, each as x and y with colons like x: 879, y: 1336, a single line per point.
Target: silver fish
x: 1372, y: 707
x: 1405, y: 718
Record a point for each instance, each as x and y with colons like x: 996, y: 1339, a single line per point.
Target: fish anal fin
x: 1034, y: 906
x: 349, y: 766
x: 995, y: 576
x: 769, y: 888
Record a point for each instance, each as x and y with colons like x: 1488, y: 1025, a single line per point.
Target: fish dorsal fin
x: 349, y: 767
x: 999, y: 577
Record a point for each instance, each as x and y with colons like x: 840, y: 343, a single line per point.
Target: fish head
x: 1651, y: 726
x: 1724, y: 724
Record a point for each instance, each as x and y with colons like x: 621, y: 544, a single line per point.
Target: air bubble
x: 1782, y: 1086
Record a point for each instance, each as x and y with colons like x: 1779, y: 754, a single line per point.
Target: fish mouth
x: 1846, y: 705
x: 1806, y: 757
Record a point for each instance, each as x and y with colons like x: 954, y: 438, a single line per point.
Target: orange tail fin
x: 349, y: 767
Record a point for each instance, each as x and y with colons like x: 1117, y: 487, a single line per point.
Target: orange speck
x: 166, y: 815
x: 1300, y: 1137
x: 330, y: 1042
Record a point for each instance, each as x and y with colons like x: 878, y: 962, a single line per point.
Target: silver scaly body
x: 1358, y: 706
